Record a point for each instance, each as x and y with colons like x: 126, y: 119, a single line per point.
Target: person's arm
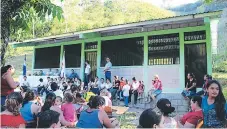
x: 193, y: 85
x: 11, y: 82
x: 105, y: 119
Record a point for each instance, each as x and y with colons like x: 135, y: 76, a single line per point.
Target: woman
x: 149, y: 119
x: 108, y: 85
x: 190, y: 120
x: 29, y: 109
x: 49, y: 105
x: 164, y: 105
x: 190, y: 89
x: 95, y: 116
x: 157, y: 87
x: 214, y: 106
x: 7, y: 83
x: 11, y: 118
x: 206, y: 78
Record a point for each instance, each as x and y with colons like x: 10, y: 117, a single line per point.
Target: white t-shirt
x: 102, y: 85
x: 25, y: 83
x: 58, y: 93
x: 108, y: 85
x: 135, y: 85
x: 87, y: 69
x: 106, y: 100
x: 125, y: 90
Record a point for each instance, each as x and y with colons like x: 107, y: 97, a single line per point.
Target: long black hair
x: 30, y: 95
x: 50, y: 99
x: 4, y: 69
x: 219, y: 101
x: 149, y: 118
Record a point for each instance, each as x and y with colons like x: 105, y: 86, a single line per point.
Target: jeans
x: 113, y: 93
x: 86, y: 79
x: 200, y: 93
x: 188, y: 93
x: 126, y: 100
x: 121, y: 94
x: 135, y: 96
x: 108, y: 75
x: 3, y: 99
x: 157, y: 92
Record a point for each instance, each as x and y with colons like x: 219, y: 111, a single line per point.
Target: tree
x: 15, y: 15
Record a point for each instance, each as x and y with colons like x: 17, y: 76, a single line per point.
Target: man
x: 73, y: 75
x: 135, y: 86
x: 107, y: 69
x: 25, y: 83
x: 49, y: 119
x: 87, y: 72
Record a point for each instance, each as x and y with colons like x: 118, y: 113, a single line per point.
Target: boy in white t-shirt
x: 125, y: 90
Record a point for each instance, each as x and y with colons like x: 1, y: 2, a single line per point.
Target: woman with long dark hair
x: 7, y: 83
x: 214, y: 106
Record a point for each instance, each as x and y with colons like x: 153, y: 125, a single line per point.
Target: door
x: 196, y: 61
x: 91, y: 56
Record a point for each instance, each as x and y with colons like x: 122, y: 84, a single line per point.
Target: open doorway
x: 91, y: 56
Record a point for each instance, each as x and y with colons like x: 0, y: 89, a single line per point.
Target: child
x: 78, y: 104
x: 141, y: 89
x: 68, y: 109
x: 58, y: 101
x: 125, y: 90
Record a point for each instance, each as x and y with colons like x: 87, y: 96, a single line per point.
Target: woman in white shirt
x: 125, y: 90
x: 102, y: 84
x: 108, y: 84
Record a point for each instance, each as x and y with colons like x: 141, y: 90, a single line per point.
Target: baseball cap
x: 165, y: 106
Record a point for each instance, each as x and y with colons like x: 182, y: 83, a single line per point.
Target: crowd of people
x: 61, y: 102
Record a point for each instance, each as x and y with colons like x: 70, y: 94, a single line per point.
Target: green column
x: 182, y: 67
x: 145, y: 64
x: 33, y: 61
x: 208, y: 45
x: 99, y: 59
x: 82, y: 59
x: 61, y: 55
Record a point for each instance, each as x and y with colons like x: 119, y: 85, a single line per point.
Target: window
x: 47, y: 57
x: 72, y: 55
x: 196, y: 35
x: 123, y: 52
x: 92, y: 45
x: 163, y: 49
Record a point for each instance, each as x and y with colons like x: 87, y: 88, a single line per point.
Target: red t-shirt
x: 10, y: 121
x: 192, y: 117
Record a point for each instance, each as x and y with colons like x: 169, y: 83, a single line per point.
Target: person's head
x: 102, y: 80
x: 210, y: 77
x: 25, y: 78
x: 40, y: 80
x: 49, y: 119
x: 54, y: 86
x: 75, y: 79
x: 58, y: 101
x: 96, y: 78
x: 13, y: 103
x: 156, y: 77
x: 108, y: 80
x: 49, y: 101
x: 86, y: 62
x: 70, y: 83
x: 150, y: 119
x: 122, y: 78
x: 74, y: 89
x: 72, y: 70
x: 78, y: 95
x: 164, y: 105
x: 64, y: 84
x: 41, y: 71
x: 107, y: 59
x: 214, y: 91
x: 55, y: 79
x: 52, y: 80
x: 68, y: 97
x: 206, y: 76
x: 96, y: 102
x: 126, y: 81
x: 48, y: 78
x: 24, y: 90
x: 92, y: 80
x: 134, y: 79
x: 196, y: 102
x: 190, y: 76
x: 29, y: 96
x: 56, y: 70
x: 7, y: 68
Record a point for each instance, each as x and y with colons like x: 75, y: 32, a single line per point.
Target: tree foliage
x: 16, y: 16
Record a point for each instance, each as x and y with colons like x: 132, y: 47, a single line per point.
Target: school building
x: 169, y: 47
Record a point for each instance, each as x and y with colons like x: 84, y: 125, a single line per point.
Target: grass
x: 126, y: 122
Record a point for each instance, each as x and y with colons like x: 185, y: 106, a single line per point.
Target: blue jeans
x: 3, y: 99
x: 126, y: 100
x: 86, y: 79
x: 113, y: 93
x: 108, y: 75
x: 188, y: 93
x: 157, y: 92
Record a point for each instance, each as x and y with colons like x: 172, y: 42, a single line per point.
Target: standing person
x: 87, y: 73
x: 190, y: 89
x: 214, y: 106
x: 164, y: 105
x: 7, y: 82
x: 135, y: 86
x: 107, y: 69
x: 125, y: 91
x: 11, y: 118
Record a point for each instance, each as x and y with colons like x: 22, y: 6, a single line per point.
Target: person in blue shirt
x: 73, y: 75
x: 214, y: 106
x: 107, y: 69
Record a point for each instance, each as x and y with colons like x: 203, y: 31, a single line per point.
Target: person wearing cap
x: 164, y: 105
x: 150, y: 119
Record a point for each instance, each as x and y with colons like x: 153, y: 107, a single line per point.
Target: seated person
x: 150, y: 119
x: 190, y: 89
x: 49, y: 73
x: 95, y: 116
x: 95, y: 90
x: 49, y: 119
x: 56, y: 73
x: 41, y: 73
x: 190, y: 120
x: 55, y: 90
x: 206, y: 78
x: 25, y: 82
x: 73, y: 75
x: 157, y: 89
x: 105, y: 95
